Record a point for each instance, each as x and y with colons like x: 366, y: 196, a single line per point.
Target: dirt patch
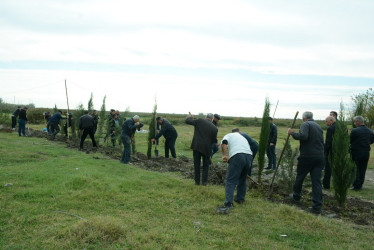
x: 358, y: 211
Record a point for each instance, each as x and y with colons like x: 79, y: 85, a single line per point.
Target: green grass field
x: 62, y: 198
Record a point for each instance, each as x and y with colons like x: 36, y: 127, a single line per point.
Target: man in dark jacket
x: 86, y: 122
x: 14, y: 117
x: 129, y: 128
x: 330, y: 122
x: 22, y: 120
x: 205, y: 133
x: 216, y: 118
x: 170, y: 134
x: 252, y: 144
x: 95, y: 117
x: 311, y: 160
x: 54, y: 123
x: 361, y: 137
x: 270, y: 151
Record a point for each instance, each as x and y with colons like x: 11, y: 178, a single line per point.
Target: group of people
x: 315, y: 155
x: 238, y: 148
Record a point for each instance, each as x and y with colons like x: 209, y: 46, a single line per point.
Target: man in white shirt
x: 239, y: 159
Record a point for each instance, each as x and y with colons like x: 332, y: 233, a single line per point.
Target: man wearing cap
x: 170, y: 134
x: 14, y: 117
x: 205, y: 133
x: 22, y: 120
x: 129, y: 128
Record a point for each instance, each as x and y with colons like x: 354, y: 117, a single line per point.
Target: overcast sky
x: 201, y: 56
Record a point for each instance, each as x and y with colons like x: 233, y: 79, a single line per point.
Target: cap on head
x: 217, y: 116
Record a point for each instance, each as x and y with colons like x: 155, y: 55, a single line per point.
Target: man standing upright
x: 14, y: 117
x: 311, y: 160
x: 205, y: 133
x: 361, y: 137
x: 86, y: 122
x: 170, y: 134
x: 270, y: 151
x: 330, y: 122
x: 239, y: 159
x: 128, y: 130
x: 22, y: 120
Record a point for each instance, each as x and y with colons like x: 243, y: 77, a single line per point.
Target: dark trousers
x: 54, y: 128
x: 327, y: 177
x: 14, y: 121
x: 126, y: 149
x: 214, y: 149
x: 21, y: 127
x: 270, y: 152
x: 237, y: 176
x: 170, y: 144
x: 361, y: 159
x: 197, y: 156
x: 312, y: 165
x: 88, y: 131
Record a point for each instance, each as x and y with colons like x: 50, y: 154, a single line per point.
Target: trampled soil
x: 357, y: 211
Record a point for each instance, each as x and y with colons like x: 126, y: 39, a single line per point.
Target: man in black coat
x: 14, y: 117
x: 170, y: 134
x: 272, y: 142
x: 330, y: 122
x: 22, y: 120
x: 311, y: 160
x: 361, y: 137
x: 86, y: 122
x: 205, y: 133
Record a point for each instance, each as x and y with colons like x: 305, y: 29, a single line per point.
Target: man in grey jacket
x: 311, y: 160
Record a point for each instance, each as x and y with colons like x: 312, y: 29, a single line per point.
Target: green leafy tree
x: 363, y: 104
x: 152, y: 130
x: 343, y: 169
x: 287, y: 172
x: 264, y: 137
x: 102, y: 119
x: 90, y: 106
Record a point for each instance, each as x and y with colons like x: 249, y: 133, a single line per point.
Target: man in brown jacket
x: 205, y: 133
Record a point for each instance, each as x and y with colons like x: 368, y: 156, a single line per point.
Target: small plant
x: 264, y: 137
x: 287, y: 172
x: 90, y: 106
x: 343, y: 169
x: 152, y: 130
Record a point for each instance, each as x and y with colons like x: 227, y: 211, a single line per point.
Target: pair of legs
x: 197, y: 156
x: 90, y: 132
x: 170, y: 145
x: 126, y: 149
x: 236, y: 176
x: 361, y: 159
x: 21, y: 127
x: 312, y: 165
x: 270, y: 152
x: 54, y: 128
x: 14, y: 122
x: 327, y: 177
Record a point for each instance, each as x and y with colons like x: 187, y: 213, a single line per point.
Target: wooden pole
x: 275, y: 109
x: 67, y: 102
x: 281, y: 156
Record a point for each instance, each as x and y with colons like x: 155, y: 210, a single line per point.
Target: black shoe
x: 225, y: 208
x: 314, y: 211
x: 356, y: 189
x: 293, y: 199
x: 239, y: 202
x: 327, y: 188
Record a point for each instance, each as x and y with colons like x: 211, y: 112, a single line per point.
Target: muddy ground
x: 357, y: 211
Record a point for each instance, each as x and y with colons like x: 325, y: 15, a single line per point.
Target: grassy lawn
x: 63, y: 198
